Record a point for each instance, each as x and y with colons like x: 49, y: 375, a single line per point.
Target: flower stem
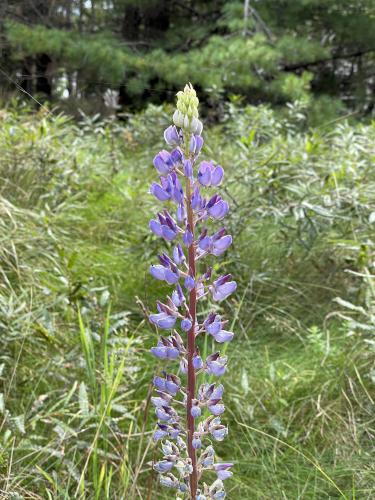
x: 191, y: 382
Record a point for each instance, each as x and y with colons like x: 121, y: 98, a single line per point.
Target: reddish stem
x: 191, y: 350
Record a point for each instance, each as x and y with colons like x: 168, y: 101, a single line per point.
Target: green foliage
x: 267, y: 52
x: 75, y: 376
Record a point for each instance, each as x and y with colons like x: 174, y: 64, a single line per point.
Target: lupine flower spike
x: 189, y: 416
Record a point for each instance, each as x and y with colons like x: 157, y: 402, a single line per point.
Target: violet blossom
x: 182, y: 183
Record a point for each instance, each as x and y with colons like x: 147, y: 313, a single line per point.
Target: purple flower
x: 222, y: 288
x: 186, y: 324
x: 187, y: 237
x: 178, y: 297
x: 169, y: 481
x: 197, y: 443
x: 196, y: 200
x: 216, y: 409
x: 216, y: 365
x: 188, y: 169
x: 189, y: 283
x: 163, y: 320
x: 160, y: 434
x: 171, y: 384
x: 165, y: 274
x: 163, y: 466
x: 209, y: 175
x: 167, y: 348
x: 163, y: 162
x: 192, y: 211
x: 159, y: 193
x: 165, y: 227
x: 220, y: 242
x: 223, y: 336
x: 222, y: 471
x: 217, y: 208
x: 178, y: 255
x: 217, y: 430
x: 195, y: 411
x: 181, y: 213
x: 217, y: 393
x: 196, y: 143
x: 171, y: 136
x: 164, y: 414
x: 197, y: 362
x: 162, y: 400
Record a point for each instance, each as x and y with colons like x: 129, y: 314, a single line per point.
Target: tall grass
x: 74, y: 373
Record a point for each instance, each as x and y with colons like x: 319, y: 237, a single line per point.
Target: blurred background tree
x: 264, y: 50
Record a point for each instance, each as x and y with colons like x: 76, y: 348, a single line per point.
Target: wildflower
x: 181, y: 184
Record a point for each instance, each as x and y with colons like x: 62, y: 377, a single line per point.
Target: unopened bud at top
x: 186, y: 114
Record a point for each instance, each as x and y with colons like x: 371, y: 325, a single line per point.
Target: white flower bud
x: 178, y: 118
x: 186, y: 122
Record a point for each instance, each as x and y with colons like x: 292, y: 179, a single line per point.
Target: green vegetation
x: 75, y: 371
x: 266, y: 51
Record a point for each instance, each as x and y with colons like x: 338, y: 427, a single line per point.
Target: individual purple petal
x: 198, y: 144
x: 224, y: 474
x: 163, y: 466
x: 223, y: 336
x: 197, y: 362
x: 159, y: 192
x: 160, y: 402
x: 204, y: 173
x: 155, y: 227
x: 218, y: 392
x: 163, y: 320
x: 189, y: 283
x: 181, y: 213
x: 213, y: 324
x: 183, y: 366
x: 221, y: 292
x: 197, y: 443
x: 186, y: 324
x: 172, y: 384
x: 168, y: 482
x: 216, y: 409
x: 178, y: 296
x: 163, y: 414
x: 219, y: 432
x: 158, y: 272
x: 171, y: 136
x: 159, y: 383
x: 219, y: 246
x: 217, y: 175
x: 195, y: 411
x: 188, y: 169
x: 196, y: 199
x: 222, y: 470
x: 170, y: 277
x: 187, y: 238
x: 204, y: 243
x: 163, y: 162
x: 178, y: 254
x: 176, y: 156
x: 168, y: 233
x: 216, y: 365
x: 219, y: 210
x: 200, y: 290
x: 159, y: 434
x: 160, y: 352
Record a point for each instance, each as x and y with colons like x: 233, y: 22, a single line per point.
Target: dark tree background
x: 263, y: 50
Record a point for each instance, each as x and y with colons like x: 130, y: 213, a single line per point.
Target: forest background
x: 287, y: 98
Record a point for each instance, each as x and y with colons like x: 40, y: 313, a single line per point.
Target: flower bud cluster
x: 186, y: 114
x: 189, y: 414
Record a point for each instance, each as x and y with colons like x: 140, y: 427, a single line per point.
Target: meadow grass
x: 75, y: 368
